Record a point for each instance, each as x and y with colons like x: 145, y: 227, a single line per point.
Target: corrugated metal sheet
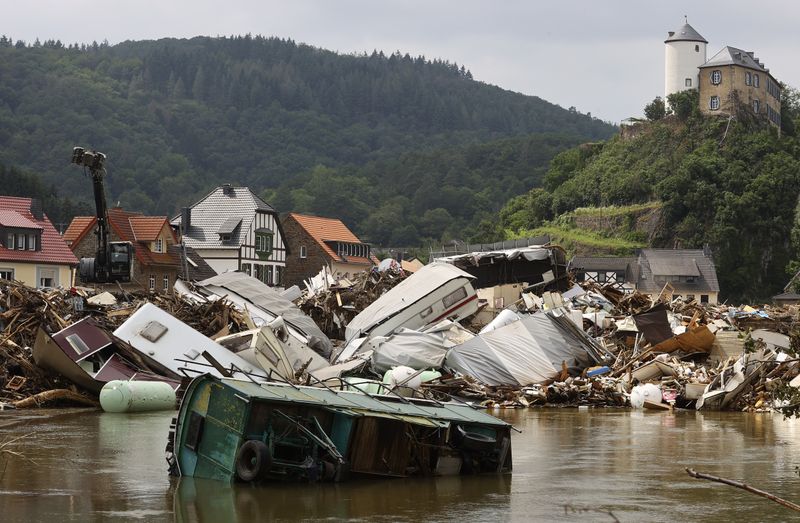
x: 435, y: 413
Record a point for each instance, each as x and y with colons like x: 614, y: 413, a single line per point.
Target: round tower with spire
x: 685, y: 51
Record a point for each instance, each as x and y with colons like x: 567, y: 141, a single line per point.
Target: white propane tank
x: 137, y: 396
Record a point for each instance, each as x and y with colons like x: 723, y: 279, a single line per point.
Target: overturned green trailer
x: 235, y: 430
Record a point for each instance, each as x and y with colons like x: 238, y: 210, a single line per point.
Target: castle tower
x: 685, y: 51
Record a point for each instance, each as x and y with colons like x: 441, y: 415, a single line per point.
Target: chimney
x: 227, y: 189
x: 186, y: 218
x: 36, y: 209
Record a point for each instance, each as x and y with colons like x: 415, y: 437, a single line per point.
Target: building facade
x: 31, y: 250
x: 233, y: 229
x: 731, y: 81
x: 318, y: 242
x: 156, y: 262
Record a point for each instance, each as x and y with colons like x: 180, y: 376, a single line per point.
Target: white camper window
x: 454, y: 297
x: 427, y: 312
x: 77, y: 343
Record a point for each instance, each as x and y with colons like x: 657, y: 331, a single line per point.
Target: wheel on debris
x: 253, y: 460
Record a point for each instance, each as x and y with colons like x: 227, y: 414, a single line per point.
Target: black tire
x: 253, y: 460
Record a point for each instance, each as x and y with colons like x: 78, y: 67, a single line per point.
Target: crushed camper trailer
x: 235, y: 430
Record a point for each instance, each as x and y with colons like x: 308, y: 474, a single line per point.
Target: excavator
x: 112, y: 261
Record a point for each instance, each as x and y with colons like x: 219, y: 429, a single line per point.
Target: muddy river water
x: 569, y: 465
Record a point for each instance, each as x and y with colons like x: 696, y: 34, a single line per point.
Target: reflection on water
x: 568, y: 465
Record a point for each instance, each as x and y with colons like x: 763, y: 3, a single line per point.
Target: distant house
x: 31, y: 250
x: 233, y: 229
x: 316, y: 242
x: 157, y: 261
x: 605, y: 270
x: 730, y: 81
x: 689, y: 273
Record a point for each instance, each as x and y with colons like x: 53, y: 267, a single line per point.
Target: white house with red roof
x: 32, y: 251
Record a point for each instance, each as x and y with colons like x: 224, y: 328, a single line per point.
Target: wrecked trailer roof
x: 523, y: 352
x: 535, y: 264
x: 416, y: 287
x: 270, y: 300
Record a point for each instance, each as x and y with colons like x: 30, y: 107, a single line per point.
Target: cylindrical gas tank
x: 136, y: 396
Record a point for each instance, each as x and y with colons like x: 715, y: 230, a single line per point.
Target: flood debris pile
x: 29, y: 315
x: 388, y: 332
x: 333, y: 302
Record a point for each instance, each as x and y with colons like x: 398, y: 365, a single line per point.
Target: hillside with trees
x: 402, y: 148
x: 730, y: 183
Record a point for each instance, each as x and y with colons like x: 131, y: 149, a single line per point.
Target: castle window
x: 714, y: 103
x: 697, y: 48
x: 755, y: 106
x: 716, y: 77
x: 755, y: 80
x: 687, y: 82
x: 748, y: 79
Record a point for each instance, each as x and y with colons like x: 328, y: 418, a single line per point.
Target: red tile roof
x: 132, y: 227
x: 53, y: 248
x: 147, y: 228
x: 78, y: 228
x: 330, y: 229
x: 9, y: 218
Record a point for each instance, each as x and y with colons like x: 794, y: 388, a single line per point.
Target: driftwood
x: 50, y: 396
x: 699, y: 475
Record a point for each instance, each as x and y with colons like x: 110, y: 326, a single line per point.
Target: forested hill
x: 733, y: 184
x: 177, y: 117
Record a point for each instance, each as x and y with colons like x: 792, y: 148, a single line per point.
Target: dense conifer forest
x: 404, y: 149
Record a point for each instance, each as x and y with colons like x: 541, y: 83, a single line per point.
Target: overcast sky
x: 601, y: 56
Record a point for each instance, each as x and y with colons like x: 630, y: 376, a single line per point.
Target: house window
x: 687, y: 82
x: 689, y: 297
x: 152, y: 282
x: 303, y: 251
x: 31, y: 242
x: 704, y: 298
x: 10, y: 241
x: 6, y: 274
x: 755, y: 80
x: 20, y: 244
x: 755, y: 106
x: 278, y: 275
x: 748, y: 79
x: 158, y: 246
x: 714, y: 103
x: 46, y: 277
x: 269, y: 275
x: 247, y: 268
x: 166, y: 283
x: 263, y: 243
x: 716, y: 77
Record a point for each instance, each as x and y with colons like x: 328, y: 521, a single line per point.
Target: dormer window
x: 158, y: 245
x: 227, y: 228
x: 716, y: 77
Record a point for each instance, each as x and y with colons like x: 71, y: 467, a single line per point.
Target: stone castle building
x: 730, y: 81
